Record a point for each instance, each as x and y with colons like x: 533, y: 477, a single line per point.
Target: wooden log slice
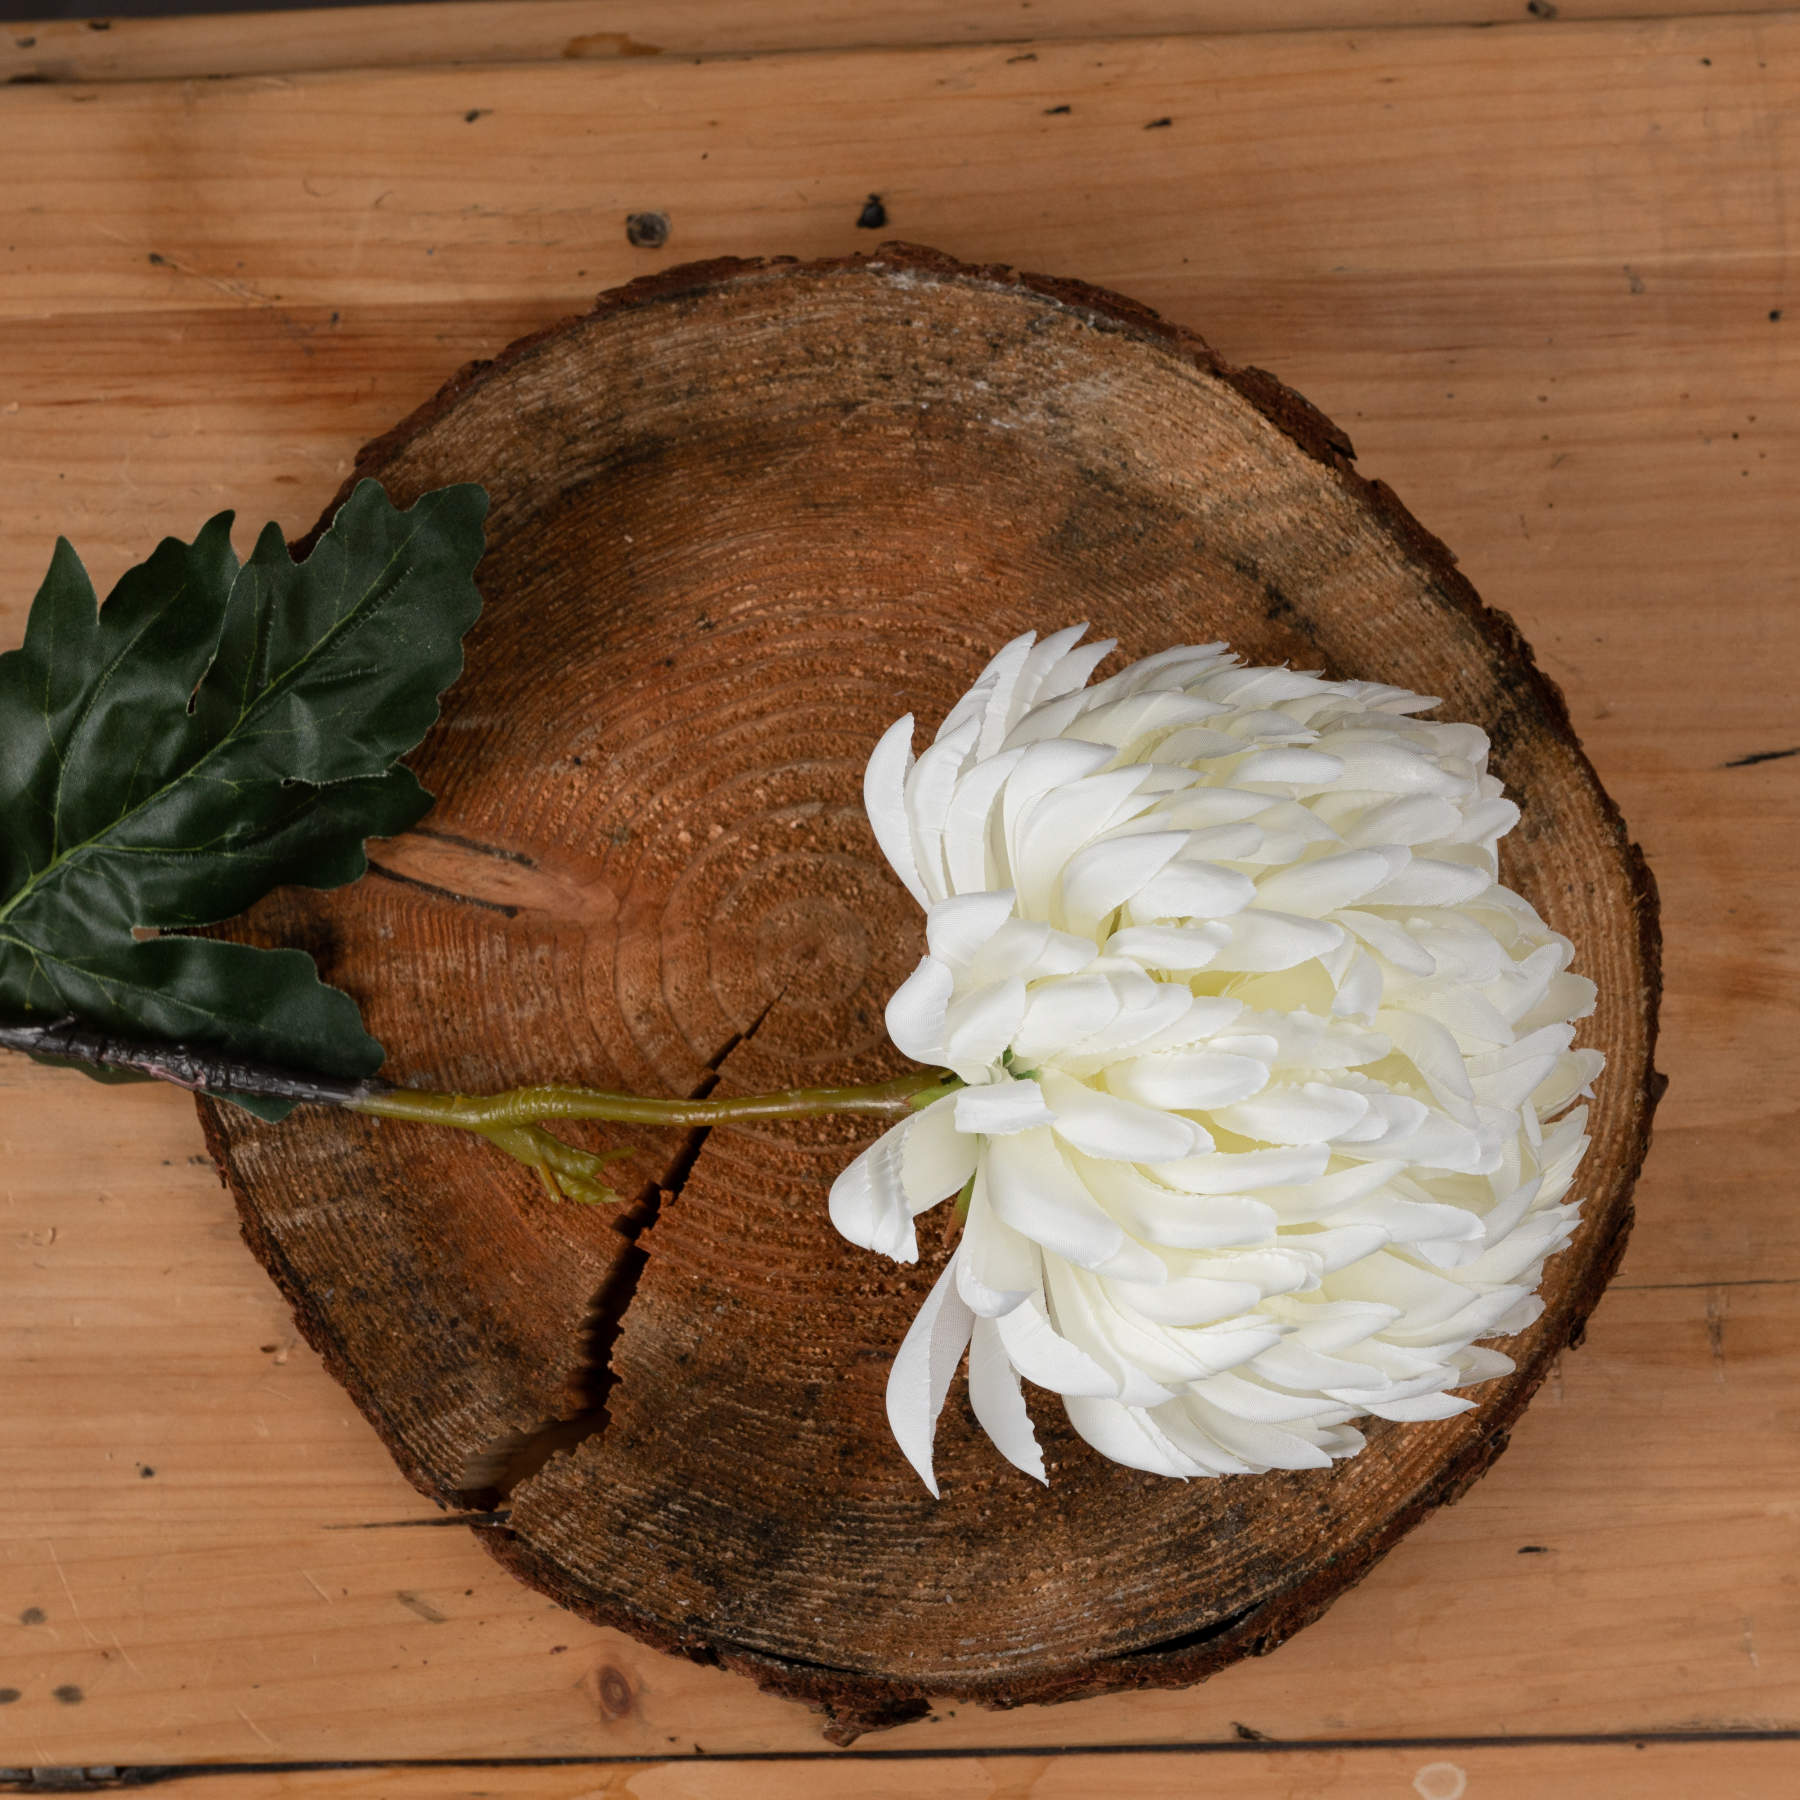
x: 744, y: 515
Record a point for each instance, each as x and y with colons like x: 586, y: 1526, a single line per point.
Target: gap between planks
x: 1651, y: 1767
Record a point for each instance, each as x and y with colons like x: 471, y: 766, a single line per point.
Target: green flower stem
x: 513, y: 1121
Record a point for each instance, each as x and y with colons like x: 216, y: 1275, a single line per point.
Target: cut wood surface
x: 740, y: 515
x: 1539, y: 293
x: 496, y: 31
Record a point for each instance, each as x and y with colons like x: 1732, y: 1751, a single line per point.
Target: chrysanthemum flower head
x: 1268, y: 1106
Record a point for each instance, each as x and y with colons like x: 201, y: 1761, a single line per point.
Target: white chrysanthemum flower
x: 1260, y: 1058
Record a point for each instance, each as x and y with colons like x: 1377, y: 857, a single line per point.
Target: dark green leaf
x: 211, y: 732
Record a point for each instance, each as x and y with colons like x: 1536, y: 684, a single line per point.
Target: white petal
x: 915, y: 1013
x: 1047, y: 656
x: 1191, y: 890
x: 1035, y: 1191
x: 1098, y: 880
x: 1177, y: 948
x: 1431, y: 1050
x: 1241, y: 1398
x: 1314, y: 888
x: 930, y: 788
x: 868, y: 1203
x: 1043, y: 769
x: 884, y: 799
x: 1478, y: 1364
x: 923, y: 1369
x: 1390, y: 941
x: 979, y: 1026
x: 1060, y: 1014
x: 1324, y: 1195
x: 1360, y: 989
x: 1042, y: 1355
x: 935, y: 1158
x: 1157, y: 1015
x: 1426, y: 1406
x: 1332, y: 1325
x: 1369, y: 760
x: 1188, y: 1080
x: 1426, y: 881
x: 991, y: 691
x: 1247, y: 1171
x: 1101, y: 1124
x: 1308, y: 1113
x: 1070, y: 667
x: 1002, y: 1108
x: 1056, y: 825
x: 997, y: 1269
x: 1268, y: 941
x: 998, y: 1404
x: 1193, y: 1300
x: 1030, y: 948
x: 1408, y: 820
x: 1260, y: 1445
x: 970, y: 838
x: 1157, y: 1214
x: 959, y: 925
x: 1189, y: 1438
x: 1126, y: 1435
x: 1307, y: 769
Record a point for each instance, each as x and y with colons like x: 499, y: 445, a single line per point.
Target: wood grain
x: 304, y: 194
x: 499, y: 31
x: 1563, y: 212
x: 667, y: 712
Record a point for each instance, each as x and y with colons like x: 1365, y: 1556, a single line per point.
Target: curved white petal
x: 1312, y: 889
x: 990, y: 695
x: 1033, y: 1188
x: 1271, y: 941
x: 884, y: 799
x: 1000, y: 1110
x: 1101, y: 1124
x: 1099, y: 878
x: 868, y: 1203
x: 1127, y: 1434
x: 998, y: 1404
x: 979, y: 1027
x: 959, y: 926
x: 1188, y: 1080
x: 1043, y: 1356
x: 924, y: 1367
x: 916, y: 1011
x: 1307, y: 1112
x: 997, y: 1269
x: 935, y: 1158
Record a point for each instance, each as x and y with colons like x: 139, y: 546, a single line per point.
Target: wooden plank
x: 497, y: 31
x: 256, y: 1598
x: 1389, y: 168
x: 1598, y: 219
x: 1622, y: 1771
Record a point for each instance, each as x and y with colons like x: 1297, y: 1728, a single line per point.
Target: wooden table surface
x: 1536, y: 260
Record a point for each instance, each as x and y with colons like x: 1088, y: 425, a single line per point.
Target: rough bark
x: 744, y: 515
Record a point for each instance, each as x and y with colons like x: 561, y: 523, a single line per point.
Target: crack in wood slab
x: 496, y: 1472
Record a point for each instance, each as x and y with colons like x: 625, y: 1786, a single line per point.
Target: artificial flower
x: 1267, y: 1106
